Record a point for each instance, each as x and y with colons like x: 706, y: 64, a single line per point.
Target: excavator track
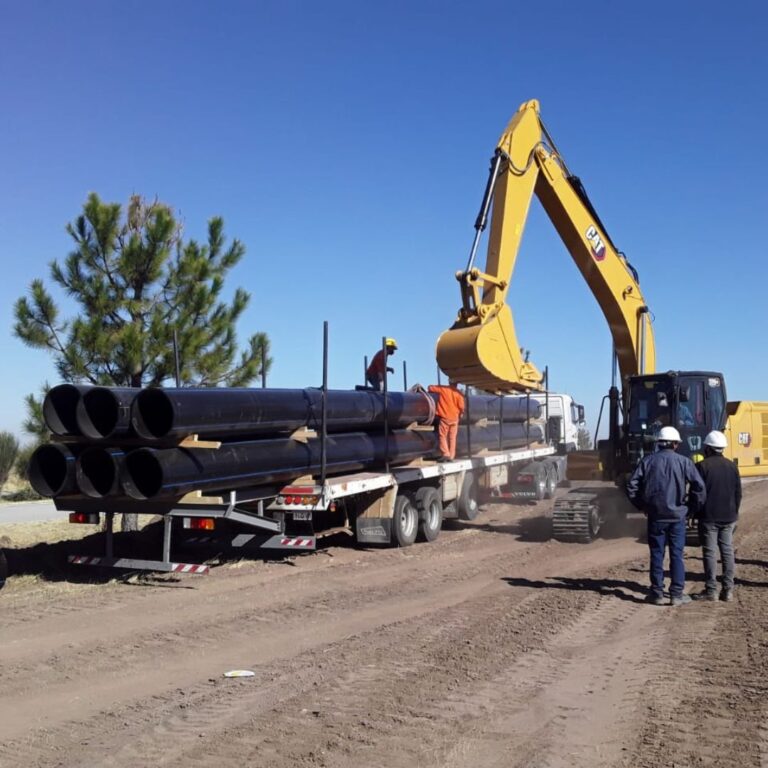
x: 576, y: 516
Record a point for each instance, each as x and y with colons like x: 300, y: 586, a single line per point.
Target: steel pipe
x: 60, y: 406
x: 490, y: 407
x: 97, y: 471
x: 159, y: 414
x: 104, y: 412
x: 51, y: 470
x: 163, y: 413
x: 148, y: 473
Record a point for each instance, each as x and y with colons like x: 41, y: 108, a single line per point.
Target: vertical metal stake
x: 528, y: 417
x: 466, y: 415
x: 176, y: 358
x: 501, y: 421
x: 109, y: 530
x: 405, y: 376
x: 167, y: 523
x: 324, y: 413
x: 263, y: 365
x: 386, y: 405
x: 547, y: 435
x: 365, y: 371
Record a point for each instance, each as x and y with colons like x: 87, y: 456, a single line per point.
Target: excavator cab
x: 694, y: 402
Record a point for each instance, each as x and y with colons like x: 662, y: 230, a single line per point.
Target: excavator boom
x: 481, y: 347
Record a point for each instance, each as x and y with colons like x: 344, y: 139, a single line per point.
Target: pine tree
x: 136, y: 282
x: 583, y: 439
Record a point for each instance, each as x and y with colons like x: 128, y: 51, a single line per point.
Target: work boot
x: 708, y: 595
x: 654, y: 599
x: 727, y: 595
x: 680, y: 600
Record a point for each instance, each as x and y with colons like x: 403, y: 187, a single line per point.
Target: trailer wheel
x: 405, y: 521
x: 430, y: 508
x: 468, y: 507
x: 551, y: 483
x: 3, y: 569
x: 539, y: 481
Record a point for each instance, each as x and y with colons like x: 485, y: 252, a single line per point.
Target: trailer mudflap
x: 373, y: 530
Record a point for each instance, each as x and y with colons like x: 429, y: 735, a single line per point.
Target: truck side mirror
x: 581, y: 414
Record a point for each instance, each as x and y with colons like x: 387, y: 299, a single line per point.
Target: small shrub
x: 9, y: 449
x: 25, y: 494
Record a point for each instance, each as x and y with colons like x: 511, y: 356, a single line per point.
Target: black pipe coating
x: 97, y: 471
x: 60, y: 407
x: 51, y: 470
x: 148, y: 473
x: 104, y: 412
x: 164, y: 413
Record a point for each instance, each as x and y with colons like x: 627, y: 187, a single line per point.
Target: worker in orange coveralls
x: 450, y: 406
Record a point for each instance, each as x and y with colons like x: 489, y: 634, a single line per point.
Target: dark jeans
x: 374, y: 382
x: 716, y: 536
x: 660, y: 536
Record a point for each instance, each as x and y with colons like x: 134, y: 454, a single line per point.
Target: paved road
x: 30, y: 512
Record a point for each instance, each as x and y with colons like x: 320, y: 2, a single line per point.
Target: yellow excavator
x: 481, y: 348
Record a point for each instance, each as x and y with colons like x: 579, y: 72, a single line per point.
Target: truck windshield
x: 650, y: 406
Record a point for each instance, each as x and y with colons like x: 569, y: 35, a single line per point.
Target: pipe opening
x: 98, y: 413
x: 50, y: 469
x: 59, y: 409
x: 97, y: 473
x: 143, y: 476
x: 152, y: 414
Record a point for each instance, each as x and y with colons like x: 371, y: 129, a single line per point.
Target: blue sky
x: 347, y: 145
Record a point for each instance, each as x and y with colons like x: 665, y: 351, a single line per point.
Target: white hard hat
x: 716, y: 440
x: 668, y: 435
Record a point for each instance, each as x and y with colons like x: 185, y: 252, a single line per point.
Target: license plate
x: 302, y: 515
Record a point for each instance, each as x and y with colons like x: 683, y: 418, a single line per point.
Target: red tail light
x: 84, y: 517
x: 199, y: 523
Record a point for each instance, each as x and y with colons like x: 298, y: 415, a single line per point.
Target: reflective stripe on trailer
x: 299, y: 541
x: 144, y: 565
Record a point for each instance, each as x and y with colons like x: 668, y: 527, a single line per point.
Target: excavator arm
x: 481, y: 348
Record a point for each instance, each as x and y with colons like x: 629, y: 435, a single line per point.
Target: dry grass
x: 15, y: 483
x: 37, y: 557
x: 22, y: 535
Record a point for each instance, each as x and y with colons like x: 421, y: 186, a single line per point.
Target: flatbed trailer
x: 393, y: 507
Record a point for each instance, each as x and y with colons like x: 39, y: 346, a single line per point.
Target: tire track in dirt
x: 479, y: 649
x: 452, y: 587
x: 286, y: 603
x: 709, y: 703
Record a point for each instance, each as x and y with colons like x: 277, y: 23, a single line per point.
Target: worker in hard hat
x: 374, y: 374
x: 658, y: 488
x: 448, y: 410
x: 717, y: 517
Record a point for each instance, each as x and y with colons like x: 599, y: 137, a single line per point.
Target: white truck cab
x: 563, y: 417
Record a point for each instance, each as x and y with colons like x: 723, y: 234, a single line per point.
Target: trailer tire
x: 405, y: 521
x: 468, y: 507
x: 430, y: 507
x: 539, y: 481
x: 551, y: 482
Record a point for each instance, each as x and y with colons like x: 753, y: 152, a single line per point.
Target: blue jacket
x: 659, y: 486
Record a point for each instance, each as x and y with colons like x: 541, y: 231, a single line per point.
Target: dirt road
x: 490, y: 647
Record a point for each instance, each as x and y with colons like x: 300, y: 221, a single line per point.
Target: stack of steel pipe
x: 119, y: 441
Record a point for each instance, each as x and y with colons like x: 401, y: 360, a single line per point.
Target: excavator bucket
x: 486, y: 355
